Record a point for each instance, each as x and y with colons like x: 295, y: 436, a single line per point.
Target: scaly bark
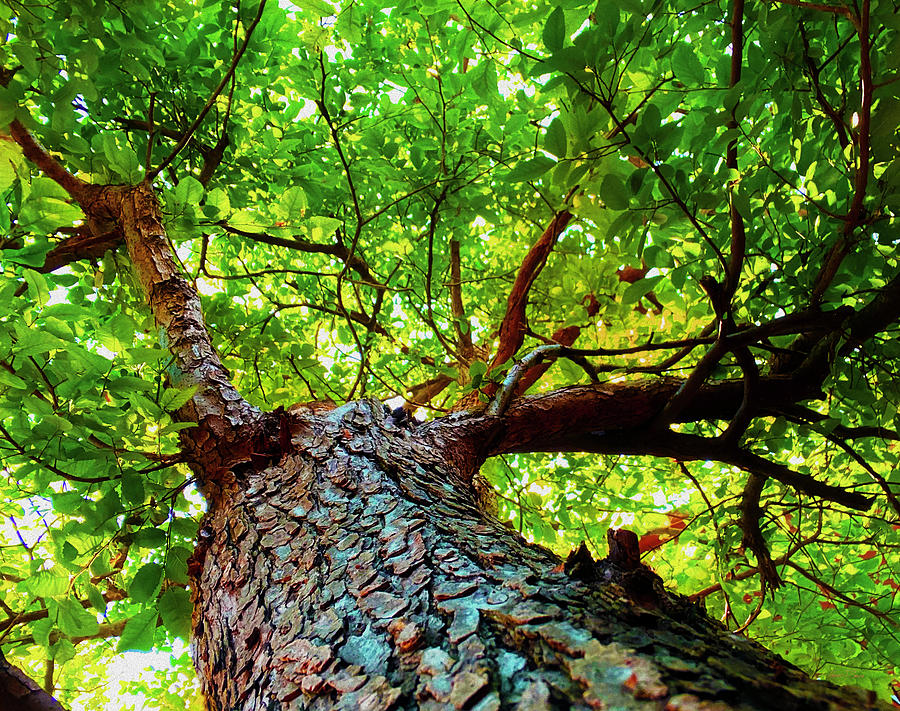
x: 359, y: 573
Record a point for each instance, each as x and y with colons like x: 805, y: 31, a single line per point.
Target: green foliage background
x: 388, y: 132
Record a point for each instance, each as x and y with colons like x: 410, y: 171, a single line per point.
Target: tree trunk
x: 359, y: 572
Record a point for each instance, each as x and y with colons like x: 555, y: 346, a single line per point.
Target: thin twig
x: 186, y: 136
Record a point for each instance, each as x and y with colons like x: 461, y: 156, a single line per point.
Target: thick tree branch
x: 83, y: 193
x: 83, y: 244
x: 738, y: 232
x: 461, y: 324
x: 512, y: 328
x: 19, y: 692
x: 616, y: 417
x: 577, y: 415
x: 752, y: 536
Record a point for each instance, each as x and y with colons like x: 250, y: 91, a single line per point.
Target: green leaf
x: 686, y: 65
x: 319, y: 8
x: 150, y: 538
x: 174, y: 398
x: 189, y: 191
x: 614, y: 193
x: 146, y: 582
x: 636, y: 290
x: 175, y: 609
x: 12, y: 380
x: 37, y: 286
x: 293, y: 204
x: 322, y: 227
x: 554, y: 34
x: 555, y: 140
x: 74, y: 620
x: 96, y: 598
x: 132, y: 489
x: 62, y: 651
x: 530, y: 169
x: 47, y: 583
x: 139, y: 632
x: 176, y: 563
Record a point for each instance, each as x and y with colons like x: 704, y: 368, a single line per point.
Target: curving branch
x: 813, y: 70
x: 83, y: 193
x: 616, y: 418
x: 565, y: 336
x: 752, y: 536
x: 229, y: 73
x: 46, y: 465
x: 20, y: 692
x: 512, y: 328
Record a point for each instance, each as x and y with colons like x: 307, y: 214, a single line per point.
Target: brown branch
x: 461, y: 324
x: 691, y: 386
x: 684, y: 446
x: 747, y: 410
x: 752, y: 536
x: 738, y: 232
x: 175, y: 305
x: 855, y: 213
x: 337, y: 250
x: 814, y: 351
x: 750, y: 572
x: 83, y: 244
x: 182, y: 142
x: 614, y: 418
x: 139, y: 125
x: 563, y: 336
x: 876, y: 477
x: 433, y: 218
x: 423, y: 393
x: 512, y: 328
x: 80, y: 191
x: 805, y: 416
x: 846, y: 599
x: 813, y: 69
x: 362, y: 319
x: 819, y: 7
x: 575, y: 416
x: 49, y: 467
x: 19, y: 692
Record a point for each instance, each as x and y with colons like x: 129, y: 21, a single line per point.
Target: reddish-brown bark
x: 512, y: 328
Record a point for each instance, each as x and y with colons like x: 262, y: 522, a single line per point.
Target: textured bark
x: 18, y: 692
x: 357, y: 572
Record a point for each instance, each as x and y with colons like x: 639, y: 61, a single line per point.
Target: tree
x: 619, y: 265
